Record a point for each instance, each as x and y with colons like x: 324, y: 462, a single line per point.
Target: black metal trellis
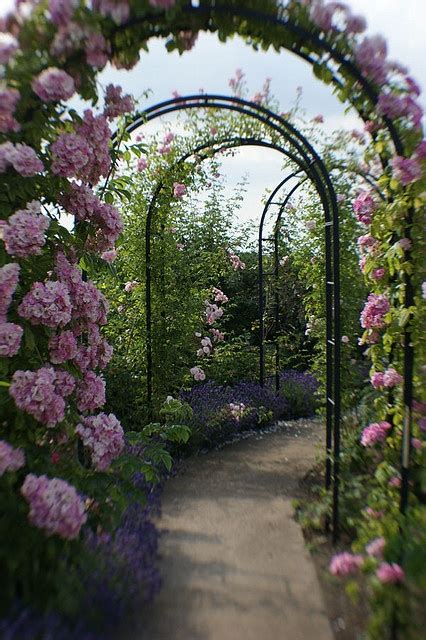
x: 305, y: 157
x: 337, y: 65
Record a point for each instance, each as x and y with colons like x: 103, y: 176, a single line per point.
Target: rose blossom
x: 142, y: 164
x: 9, y: 276
x: 40, y: 393
x: 375, y: 433
x: 62, y: 347
x: 10, y: 459
x: 90, y: 394
x: 24, y: 233
x: 179, y: 190
x: 376, y: 547
x: 25, y: 161
x: 54, y: 506
x: 364, y: 206
x: 345, y: 564
x: 406, y: 170
x: 8, y: 101
x: 47, y: 303
x: 376, y: 307
x: 103, y: 435
x: 115, y: 103
x: 392, y: 378
x: 390, y: 573
x: 10, y: 339
x: 53, y: 84
x: 197, y: 373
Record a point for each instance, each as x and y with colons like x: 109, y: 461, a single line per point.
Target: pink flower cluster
x: 213, y: 312
x: 219, y: 296
x: 206, y: 347
x: 55, y: 506
x: 103, y: 435
x: 179, y: 190
x: 85, y: 153
x: 61, y: 11
x: 368, y: 243
x: 21, y: 157
x: 396, y: 106
x: 10, y: 459
x: 8, y: 47
x: 375, y: 433
x: 24, y: 233
x: 218, y: 336
x: 237, y: 410
x: 62, y: 347
x: 406, y: 170
x: 364, y: 206
x: 117, y: 10
x: 47, y: 303
x: 85, y: 205
x: 376, y: 547
x: 142, y: 164
x: 89, y: 305
x: 9, y: 276
x: 130, y: 286
x: 329, y: 16
x: 90, y: 393
x: 376, y: 307
x: 390, y: 378
x: 10, y: 339
x: 53, y: 84
x: 9, y: 98
x: 115, y: 103
x: 162, y: 4
x: 41, y: 393
x: 390, y: 573
x: 96, y: 353
x: 345, y: 564
x: 236, y: 262
x: 370, y: 55
x: 197, y: 373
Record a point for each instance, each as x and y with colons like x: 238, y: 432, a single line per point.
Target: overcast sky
x: 210, y: 65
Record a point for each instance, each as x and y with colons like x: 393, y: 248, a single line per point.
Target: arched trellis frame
x: 297, y: 148
x: 332, y: 64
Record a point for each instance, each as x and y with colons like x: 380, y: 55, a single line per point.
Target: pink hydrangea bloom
x: 179, y: 190
x: 197, y: 373
x: 10, y: 339
x: 55, y: 506
x: 345, y: 564
x: 24, y: 234
x: 9, y: 98
x: 375, y: 433
x: 62, y: 347
x: 390, y: 573
x: 25, y: 161
x: 115, y: 103
x: 90, y: 394
x: 103, y: 435
x: 376, y: 307
x: 117, y: 10
x: 70, y: 155
x: 406, y: 170
x: 53, y: 84
x: 39, y: 393
x: 376, y: 547
x: 10, y: 459
x: 364, y: 206
x: 9, y: 276
x: 47, y: 303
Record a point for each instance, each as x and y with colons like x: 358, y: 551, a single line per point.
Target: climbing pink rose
x: 406, y: 170
x: 55, y: 506
x: 376, y: 307
x: 179, y: 190
x: 375, y: 433
x: 10, y: 459
x: 364, y: 207
x: 25, y: 161
x: 53, y: 84
x: 10, y: 339
x: 103, y: 435
x: 390, y: 573
x: 345, y: 564
x: 376, y: 547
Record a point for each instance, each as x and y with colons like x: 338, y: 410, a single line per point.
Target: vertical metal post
x: 336, y: 363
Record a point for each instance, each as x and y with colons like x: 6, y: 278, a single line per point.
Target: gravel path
x: 234, y: 562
